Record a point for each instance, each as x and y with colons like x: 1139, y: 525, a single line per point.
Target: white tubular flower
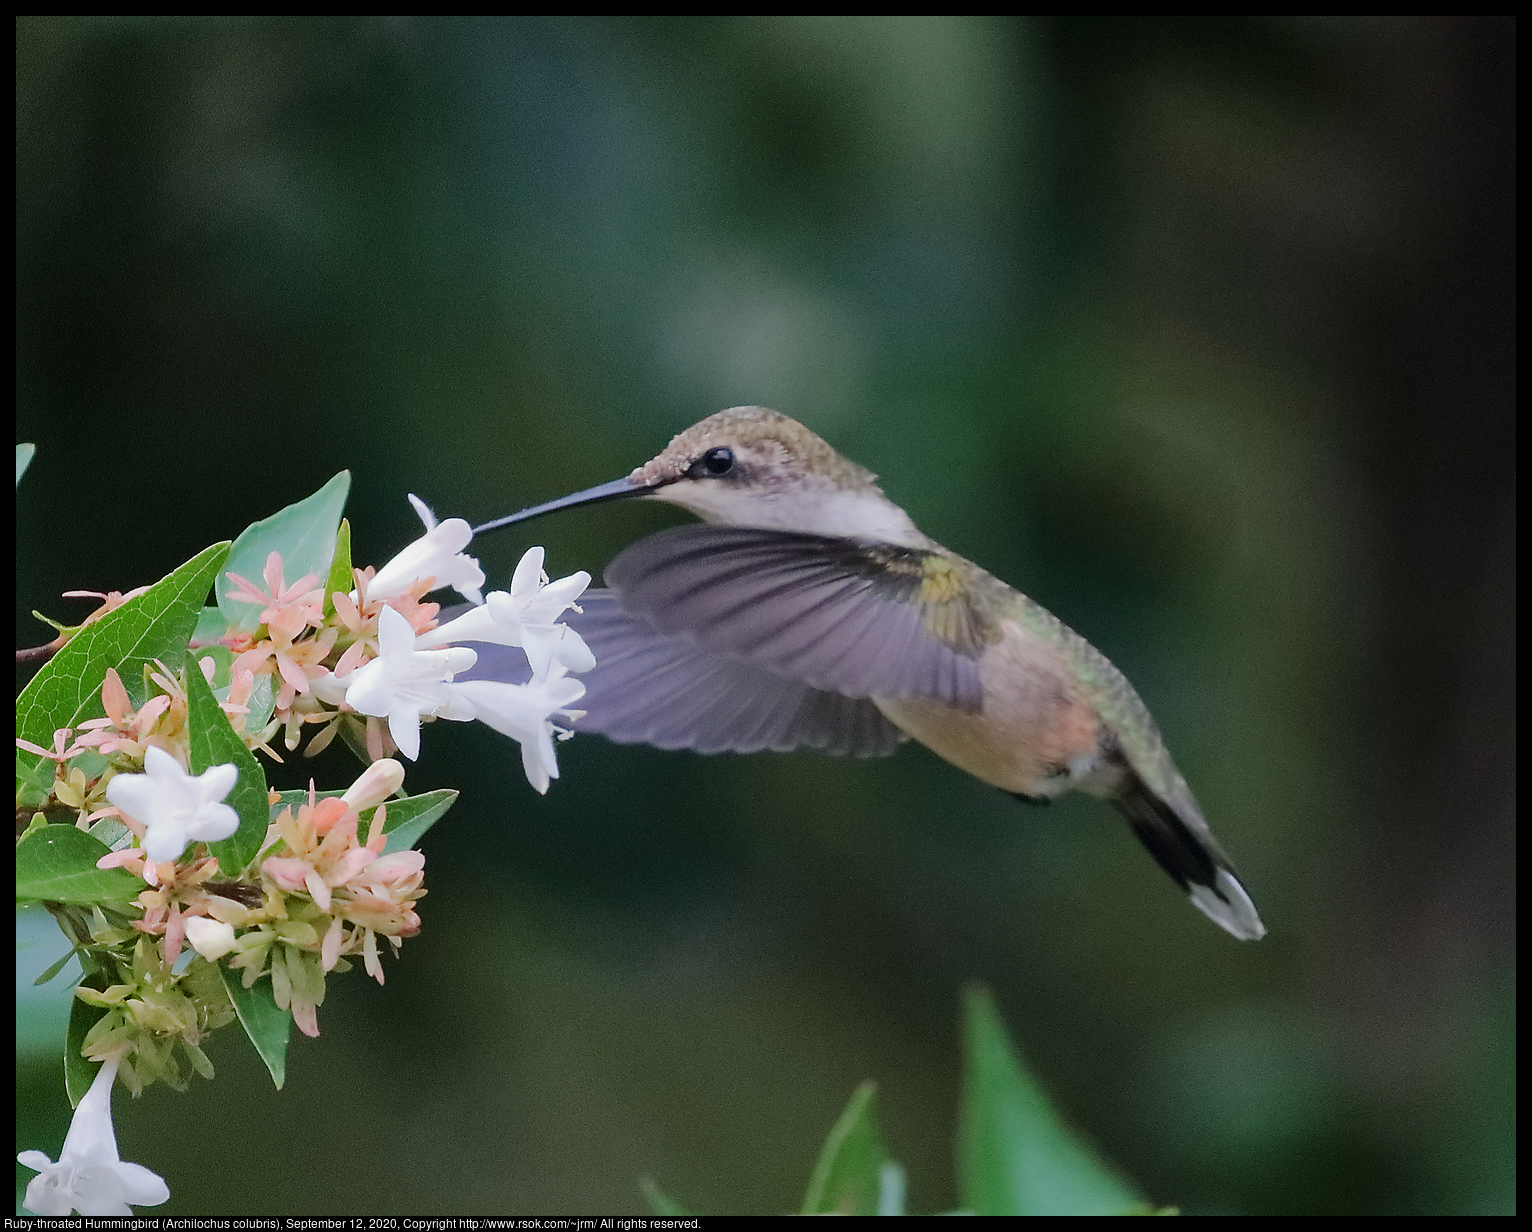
x: 404, y: 685
x: 330, y: 688
x: 90, y: 1178
x: 526, y: 616
x: 176, y: 807
x: 521, y: 711
x: 210, y: 938
x: 436, y: 554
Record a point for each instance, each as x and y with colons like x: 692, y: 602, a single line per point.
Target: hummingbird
x: 807, y: 610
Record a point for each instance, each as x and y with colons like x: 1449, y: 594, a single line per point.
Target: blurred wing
x: 847, y: 616
x: 663, y: 689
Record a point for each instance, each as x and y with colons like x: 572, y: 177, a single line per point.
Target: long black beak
x: 601, y: 492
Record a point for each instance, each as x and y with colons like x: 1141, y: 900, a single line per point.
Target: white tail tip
x: 1228, y: 906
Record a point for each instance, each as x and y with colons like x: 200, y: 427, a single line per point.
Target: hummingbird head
x: 749, y: 466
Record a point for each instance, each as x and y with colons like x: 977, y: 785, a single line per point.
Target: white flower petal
x: 459, y: 659
x: 210, y: 938
x: 539, y: 645
x: 572, y: 651
x: 46, y: 1193
x: 424, y: 511
x: 478, y: 624
x: 161, y: 766
x: 395, y: 634
x: 213, y: 824
x: 217, y: 781
x: 528, y: 575
x: 522, y: 712
x: 532, y: 765
x: 164, y: 843
x: 99, y: 1191
x: 330, y: 688
x: 144, y: 1188
x: 404, y: 727
x: 554, y: 598
x: 134, y: 794
x: 367, y: 690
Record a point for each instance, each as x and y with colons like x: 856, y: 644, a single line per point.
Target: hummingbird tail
x: 1188, y: 852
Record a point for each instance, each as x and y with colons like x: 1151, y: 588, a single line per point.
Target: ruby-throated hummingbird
x: 809, y: 611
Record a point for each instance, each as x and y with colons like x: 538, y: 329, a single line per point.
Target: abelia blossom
x: 437, y: 555
x: 526, y: 616
x: 322, y: 842
x: 523, y: 712
x: 298, y: 664
x: 405, y: 685
x: 129, y: 734
x: 176, y: 808
x: 90, y: 1178
x: 287, y: 611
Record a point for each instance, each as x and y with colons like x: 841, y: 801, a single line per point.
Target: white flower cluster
x: 412, y: 677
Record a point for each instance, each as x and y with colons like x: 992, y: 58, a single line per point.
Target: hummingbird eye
x: 716, y: 461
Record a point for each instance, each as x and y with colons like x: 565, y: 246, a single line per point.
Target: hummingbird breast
x: 1035, y: 734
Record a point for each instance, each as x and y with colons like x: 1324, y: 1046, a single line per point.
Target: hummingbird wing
x: 849, y: 616
x: 663, y: 689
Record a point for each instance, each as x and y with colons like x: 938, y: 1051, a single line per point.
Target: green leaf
x: 67, y: 691
x: 1015, y: 1157
x: 410, y: 818
x: 23, y: 460
x: 407, y: 821
x: 263, y: 700
x: 340, y: 568
x: 293, y: 798
x: 266, y: 1026
x: 660, y: 1202
x: 55, y: 968
x: 57, y: 864
x: 847, y: 1177
x: 304, y: 533
x: 112, y: 832
x: 211, y: 625
x: 223, y: 659
x: 79, y: 1071
x: 213, y: 743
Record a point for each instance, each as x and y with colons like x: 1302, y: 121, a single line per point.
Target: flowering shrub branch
x: 192, y: 894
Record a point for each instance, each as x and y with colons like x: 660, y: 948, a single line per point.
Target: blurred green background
x: 1199, y: 331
